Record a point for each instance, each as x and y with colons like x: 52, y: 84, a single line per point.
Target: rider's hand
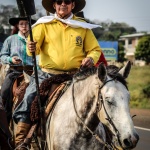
x: 16, y: 60
x: 87, y: 62
x: 31, y: 46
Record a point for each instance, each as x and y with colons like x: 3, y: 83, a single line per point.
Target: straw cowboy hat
x: 14, y: 21
x: 48, y: 5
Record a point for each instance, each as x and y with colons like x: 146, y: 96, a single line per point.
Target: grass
x: 138, y: 79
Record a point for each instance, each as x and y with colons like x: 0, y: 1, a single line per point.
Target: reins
x: 108, y: 117
x: 93, y: 134
x: 110, y: 147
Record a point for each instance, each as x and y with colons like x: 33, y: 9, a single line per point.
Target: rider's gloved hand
x: 87, y: 62
x: 31, y: 46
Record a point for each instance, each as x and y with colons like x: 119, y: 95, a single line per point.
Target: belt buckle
x: 68, y: 72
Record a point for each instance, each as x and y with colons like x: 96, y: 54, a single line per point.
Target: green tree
x: 97, y: 32
x: 112, y: 31
x: 121, y: 53
x: 143, y: 49
x: 118, y: 29
x: 108, y: 36
x: 7, y: 12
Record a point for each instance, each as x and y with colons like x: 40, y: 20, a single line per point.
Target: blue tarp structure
x: 110, y: 50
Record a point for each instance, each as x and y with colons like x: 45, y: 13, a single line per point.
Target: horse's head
x: 115, y: 97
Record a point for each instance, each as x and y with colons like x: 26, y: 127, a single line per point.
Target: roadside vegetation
x: 143, y: 49
x: 139, y: 87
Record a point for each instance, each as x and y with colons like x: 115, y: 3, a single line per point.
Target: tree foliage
x: 7, y: 12
x: 121, y: 53
x: 143, y: 49
x: 112, y: 31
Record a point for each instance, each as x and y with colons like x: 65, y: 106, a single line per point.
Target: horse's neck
x: 71, y: 114
x: 86, y: 95
x: 83, y: 105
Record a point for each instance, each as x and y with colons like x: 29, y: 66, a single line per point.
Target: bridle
x: 117, y: 134
x: 112, y: 146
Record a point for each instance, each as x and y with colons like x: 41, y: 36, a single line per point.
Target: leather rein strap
x: 108, y: 118
x: 93, y: 134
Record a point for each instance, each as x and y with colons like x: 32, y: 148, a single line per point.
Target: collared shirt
x: 15, y: 45
x: 62, y: 47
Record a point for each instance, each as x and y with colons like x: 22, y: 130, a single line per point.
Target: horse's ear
x: 126, y: 70
x: 102, y: 73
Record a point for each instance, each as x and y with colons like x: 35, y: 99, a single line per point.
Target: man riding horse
x: 64, y: 43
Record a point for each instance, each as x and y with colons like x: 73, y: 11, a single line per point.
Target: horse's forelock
x: 83, y: 74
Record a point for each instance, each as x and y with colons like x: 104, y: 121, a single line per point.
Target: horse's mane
x: 112, y: 71
x: 84, y: 73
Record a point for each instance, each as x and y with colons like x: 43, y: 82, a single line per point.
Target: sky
x: 135, y: 13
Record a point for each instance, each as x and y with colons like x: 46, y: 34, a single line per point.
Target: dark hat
x: 48, y: 5
x: 80, y: 14
x: 14, y: 21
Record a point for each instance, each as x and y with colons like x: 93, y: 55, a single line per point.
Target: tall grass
x: 138, y: 79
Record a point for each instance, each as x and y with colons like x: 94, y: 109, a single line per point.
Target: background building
x: 130, y: 42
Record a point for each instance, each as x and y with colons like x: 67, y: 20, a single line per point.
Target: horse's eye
x: 109, y: 102
x: 107, y: 99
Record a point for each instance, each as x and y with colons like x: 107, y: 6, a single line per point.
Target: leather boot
x: 21, y: 133
x: 5, y: 135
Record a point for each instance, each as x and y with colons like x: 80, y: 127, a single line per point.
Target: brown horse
x: 5, y: 135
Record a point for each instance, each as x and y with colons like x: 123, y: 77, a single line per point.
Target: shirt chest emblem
x: 78, y: 41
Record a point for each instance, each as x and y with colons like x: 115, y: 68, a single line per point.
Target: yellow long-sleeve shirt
x: 62, y: 47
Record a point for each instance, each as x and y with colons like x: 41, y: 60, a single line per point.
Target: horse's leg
x: 3, y: 141
x: 5, y: 135
x: 3, y: 123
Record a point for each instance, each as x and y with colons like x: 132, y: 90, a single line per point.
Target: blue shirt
x: 15, y: 45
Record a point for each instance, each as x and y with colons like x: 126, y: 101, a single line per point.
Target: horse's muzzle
x: 131, y: 141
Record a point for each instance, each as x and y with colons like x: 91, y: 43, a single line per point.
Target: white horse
x: 94, y: 96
